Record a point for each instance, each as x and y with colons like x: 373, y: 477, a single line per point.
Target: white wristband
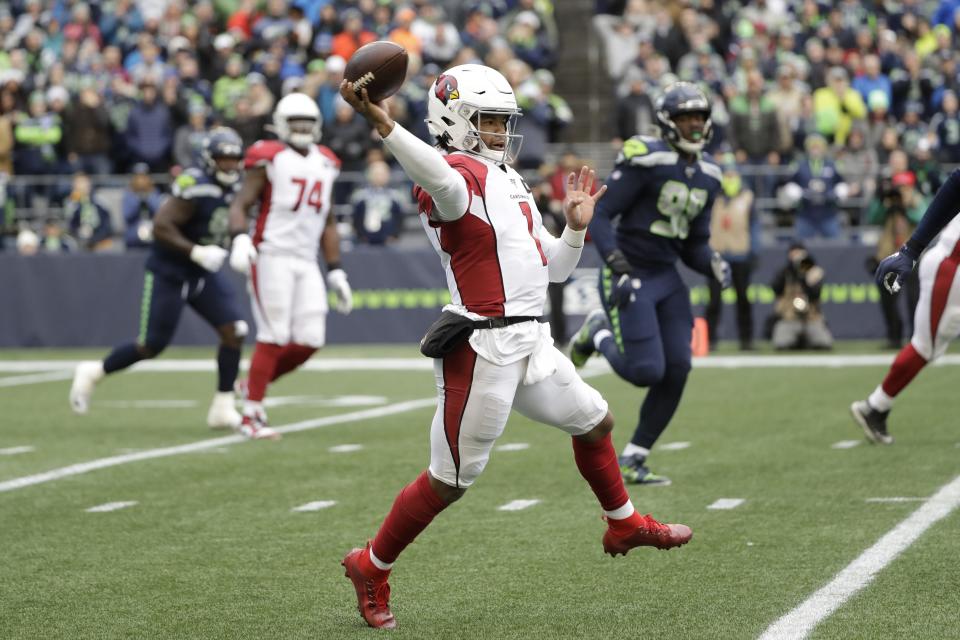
x: 573, y: 238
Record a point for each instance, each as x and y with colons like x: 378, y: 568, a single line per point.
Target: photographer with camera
x: 897, y: 209
x: 798, y: 322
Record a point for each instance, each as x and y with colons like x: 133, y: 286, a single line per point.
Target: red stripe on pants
x: 941, y: 292
x: 904, y: 369
x: 458, y: 368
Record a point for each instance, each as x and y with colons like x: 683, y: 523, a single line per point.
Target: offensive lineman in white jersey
x: 292, y: 179
x: 936, y: 322
x: 482, y: 220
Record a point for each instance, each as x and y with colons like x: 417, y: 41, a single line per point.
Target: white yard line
x: 12, y: 451
x: 846, y: 444
x: 726, y: 503
x: 345, y: 448
x: 802, y: 620
x: 212, y: 443
x: 315, y: 506
x: 673, y: 446
x: 33, y: 378
x: 513, y: 446
x: 895, y: 499
x: 517, y: 505
x: 111, y: 506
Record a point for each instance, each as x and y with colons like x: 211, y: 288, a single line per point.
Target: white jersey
x: 296, y: 200
x: 493, y: 258
x: 948, y: 242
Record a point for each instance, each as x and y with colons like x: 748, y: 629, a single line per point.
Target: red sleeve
x: 330, y: 154
x: 262, y: 153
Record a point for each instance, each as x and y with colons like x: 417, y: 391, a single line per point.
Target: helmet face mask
x: 684, y: 98
x: 463, y: 106
x: 501, y: 145
x: 297, y: 121
x: 223, y: 154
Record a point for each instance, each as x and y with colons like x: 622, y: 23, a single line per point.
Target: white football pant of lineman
x: 289, y: 300
x: 927, y: 344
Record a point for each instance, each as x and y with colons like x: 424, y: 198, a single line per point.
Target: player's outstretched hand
x: 337, y: 282
x: 374, y: 112
x: 242, y: 254
x: 578, y: 204
x: 208, y: 256
x: 893, y: 269
x: 721, y: 270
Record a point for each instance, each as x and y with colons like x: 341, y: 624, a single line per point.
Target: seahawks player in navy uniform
x: 662, y: 191
x: 184, y: 269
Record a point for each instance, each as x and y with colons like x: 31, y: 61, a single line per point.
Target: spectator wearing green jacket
x: 36, y: 135
x: 229, y: 88
x: 837, y: 106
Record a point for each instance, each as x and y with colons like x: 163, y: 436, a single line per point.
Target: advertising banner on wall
x: 94, y: 300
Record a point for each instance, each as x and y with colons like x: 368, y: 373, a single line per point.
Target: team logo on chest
x: 690, y: 170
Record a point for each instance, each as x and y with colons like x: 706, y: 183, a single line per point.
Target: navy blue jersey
x: 663, y: 204
x: 208, y: 225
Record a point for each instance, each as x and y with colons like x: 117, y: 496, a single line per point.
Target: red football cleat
x: 373, y: 594
x: 649, y: 533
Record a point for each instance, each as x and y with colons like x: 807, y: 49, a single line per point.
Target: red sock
x: 412, y: 511
x: 262, y: 365
x: 598, y: 465
x: 291, y: 356
x: 904, y: 369
x: 368, y: 568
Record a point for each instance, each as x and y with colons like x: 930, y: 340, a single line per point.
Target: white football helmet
x: 297, y: 120
x: 457, y: 99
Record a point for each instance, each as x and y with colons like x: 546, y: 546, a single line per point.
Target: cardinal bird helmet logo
x: 446, y: 89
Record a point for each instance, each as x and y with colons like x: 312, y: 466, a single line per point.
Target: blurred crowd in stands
x: 832, y: 110
x: 94, y: 90
x: 836, y: 116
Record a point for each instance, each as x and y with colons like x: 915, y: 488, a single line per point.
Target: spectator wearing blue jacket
x: 377, y: 210
x: 816, y: 186
x: 89, y: 220
x: 946, y: 13
x: 140, y: 203
x: 149, y: 134
x: 872, y: 79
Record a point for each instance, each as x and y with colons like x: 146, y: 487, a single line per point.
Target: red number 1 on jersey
x: 528, y: 214
x: 314, y: 198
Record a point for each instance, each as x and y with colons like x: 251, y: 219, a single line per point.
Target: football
x: 379, y: 67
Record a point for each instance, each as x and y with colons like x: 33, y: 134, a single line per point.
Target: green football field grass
x: 213, y: 549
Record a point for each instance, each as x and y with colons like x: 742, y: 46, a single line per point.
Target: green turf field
x: 213, y: 549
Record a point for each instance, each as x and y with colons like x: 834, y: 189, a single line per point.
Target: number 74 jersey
x: 296, y: 199
x: 662, y: 201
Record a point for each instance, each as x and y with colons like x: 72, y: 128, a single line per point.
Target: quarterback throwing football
x: 291, y: 179
x: 483, y: 222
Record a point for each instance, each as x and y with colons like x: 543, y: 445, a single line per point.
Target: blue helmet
x: 680, y: 98
x: 222, y: 142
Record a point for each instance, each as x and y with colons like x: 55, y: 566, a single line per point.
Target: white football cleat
x: 255, y: 428
x: 223, y: 414
x: 85, y: 378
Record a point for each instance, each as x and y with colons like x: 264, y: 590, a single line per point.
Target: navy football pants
x: 651, y: 345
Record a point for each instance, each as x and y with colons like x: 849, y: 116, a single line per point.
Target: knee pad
x: 644, y: 375
x: 241, y: 329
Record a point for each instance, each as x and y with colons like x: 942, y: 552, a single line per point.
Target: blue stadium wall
x: 94, y: 300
